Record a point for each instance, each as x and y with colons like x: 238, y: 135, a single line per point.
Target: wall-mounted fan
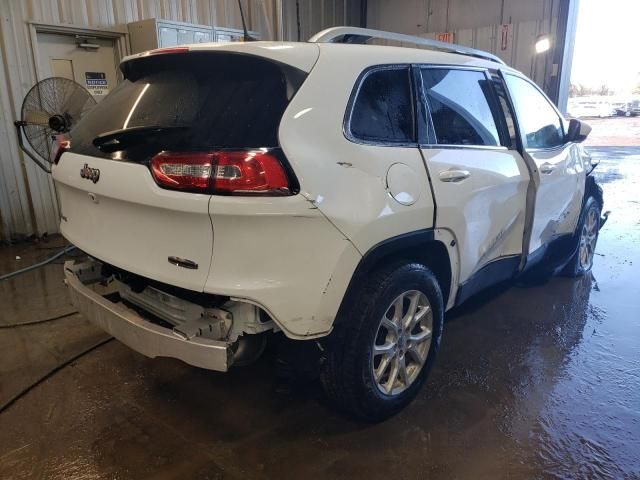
x: 52, y: 106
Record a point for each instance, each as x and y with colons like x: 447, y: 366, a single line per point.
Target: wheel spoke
x: 402, y: 372
x: 382, y: 367
x: 397, y: 311
x: 392, y: 376
x: 415, y: 354
x: 411, y: 311
x: 419, y: 316
x: 385, y: 349
x: 420, y: 336
x: 390, y: 325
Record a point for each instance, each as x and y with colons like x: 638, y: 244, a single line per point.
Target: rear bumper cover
x: 138, y: 333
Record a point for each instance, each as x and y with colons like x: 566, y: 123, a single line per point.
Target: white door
x: 478, y: 178
x: 558, y: 174
x: 92, y: 67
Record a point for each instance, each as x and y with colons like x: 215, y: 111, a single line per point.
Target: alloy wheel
x: 402, y: 342
x: 588, y: 238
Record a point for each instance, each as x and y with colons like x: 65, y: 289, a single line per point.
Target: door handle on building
x: 454, y: 175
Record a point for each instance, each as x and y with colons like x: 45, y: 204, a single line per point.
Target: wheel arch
x: 419, y: 246
x: 592, y: 189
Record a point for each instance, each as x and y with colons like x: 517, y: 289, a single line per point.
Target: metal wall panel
x: 477, y: 23
x: 316, y: 15
x: 27, y: 197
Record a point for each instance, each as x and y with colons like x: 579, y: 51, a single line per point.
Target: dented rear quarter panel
x: 346, y: 180
x: 282, y: 254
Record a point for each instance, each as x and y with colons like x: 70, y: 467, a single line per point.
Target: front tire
x: 380, y: 355
x: 588, y: 227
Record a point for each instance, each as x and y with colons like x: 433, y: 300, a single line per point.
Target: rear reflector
x: 249, y: 172
x: 60, y: 145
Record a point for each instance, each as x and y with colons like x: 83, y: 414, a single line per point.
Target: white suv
x: 337, y: 192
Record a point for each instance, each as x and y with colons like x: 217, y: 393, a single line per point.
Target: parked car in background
x: 628, y: 109
x: 584, y: 107
x: 633, y: 108
x: 621, y: 109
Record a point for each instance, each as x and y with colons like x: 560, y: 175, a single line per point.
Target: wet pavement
x: 537, y: 382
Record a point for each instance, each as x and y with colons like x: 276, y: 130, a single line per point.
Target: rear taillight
x: 60, y: 145
x: 248, y: 172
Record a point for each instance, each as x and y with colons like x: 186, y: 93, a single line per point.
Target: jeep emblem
x: 89, y: 173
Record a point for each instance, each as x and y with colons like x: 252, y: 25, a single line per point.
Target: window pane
x: 459, y: 108
x: 540, y: 124
x: 383, y: 111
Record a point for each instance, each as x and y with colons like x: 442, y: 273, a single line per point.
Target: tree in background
x: 579, y: 90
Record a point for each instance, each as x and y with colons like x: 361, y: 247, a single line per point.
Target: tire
x: 581, y: 261
x: 347, y: 373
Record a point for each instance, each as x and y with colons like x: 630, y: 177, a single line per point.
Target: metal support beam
x: 565, y: 38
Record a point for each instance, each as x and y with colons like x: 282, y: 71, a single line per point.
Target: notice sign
x: 505, y: 35
x: 96, y: 83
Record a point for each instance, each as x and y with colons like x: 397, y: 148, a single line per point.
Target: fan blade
x: 74, y: 106
x: 37, y: 117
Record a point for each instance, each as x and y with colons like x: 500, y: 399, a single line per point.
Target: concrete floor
x: 531, y: 382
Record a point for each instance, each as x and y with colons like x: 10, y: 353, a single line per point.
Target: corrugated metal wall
x: 316, y: 15
x: 478, y: 24
x: 27, y: 204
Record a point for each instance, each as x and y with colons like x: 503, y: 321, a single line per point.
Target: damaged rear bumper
x: 134, y: 330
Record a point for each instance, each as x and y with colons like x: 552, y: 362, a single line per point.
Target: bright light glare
x: 543, y: 44
x: 302, y: 112
x: 126, y: 122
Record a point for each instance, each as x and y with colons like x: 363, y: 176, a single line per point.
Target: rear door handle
x: 454, y: 175
x: 547, y: 168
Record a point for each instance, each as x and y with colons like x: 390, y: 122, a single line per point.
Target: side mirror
x: 578, y: 131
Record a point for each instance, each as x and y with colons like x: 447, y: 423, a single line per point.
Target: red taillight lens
x: 222, y: 172
x: 60, y: 145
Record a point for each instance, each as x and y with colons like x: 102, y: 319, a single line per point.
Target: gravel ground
x: 614, y: 132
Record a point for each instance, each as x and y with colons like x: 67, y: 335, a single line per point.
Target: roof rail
x: 362, y: 35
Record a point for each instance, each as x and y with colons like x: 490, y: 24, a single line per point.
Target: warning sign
x: 505, y: 36
x: 96, y: 83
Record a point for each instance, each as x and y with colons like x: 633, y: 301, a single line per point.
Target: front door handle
x: 454, y: 175
x: 547, y: 168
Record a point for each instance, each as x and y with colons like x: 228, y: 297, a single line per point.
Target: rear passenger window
x: 539, y: 122
x: 459, y: 106
x: 383, y: 111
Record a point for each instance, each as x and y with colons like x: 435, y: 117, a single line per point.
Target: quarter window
x: 383, y: 111
x: 539, y: 122
x: 459, y: 106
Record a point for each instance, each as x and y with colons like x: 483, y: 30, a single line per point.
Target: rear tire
x: 588, y: 228
x: 380, y: 355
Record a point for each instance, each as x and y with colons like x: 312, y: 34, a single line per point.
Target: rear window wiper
x: 119, y: 139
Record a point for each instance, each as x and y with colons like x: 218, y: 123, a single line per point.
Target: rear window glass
x: 383, y: 111
x: 197, y: 101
